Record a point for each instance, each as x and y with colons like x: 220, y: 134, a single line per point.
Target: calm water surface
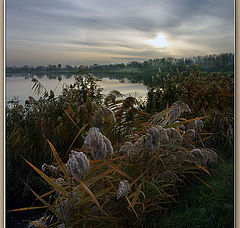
x: 21, y: 87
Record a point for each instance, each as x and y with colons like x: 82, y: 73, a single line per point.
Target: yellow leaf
x: 85, y: 187
x: 48, y: 179
x: 26, y: 209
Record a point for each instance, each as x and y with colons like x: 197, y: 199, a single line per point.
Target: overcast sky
x: 42, y: 32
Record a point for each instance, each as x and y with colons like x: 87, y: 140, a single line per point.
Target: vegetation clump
x: 113, y: 161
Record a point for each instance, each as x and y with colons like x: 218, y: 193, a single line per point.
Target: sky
x: 84, y: 32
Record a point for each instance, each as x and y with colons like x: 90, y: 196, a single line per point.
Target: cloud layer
x: 106, y: 31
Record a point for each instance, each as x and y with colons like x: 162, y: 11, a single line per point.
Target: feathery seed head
x: 182, y: 106
x: 52, y: 170
x: 198, y: 156
x: 125, y: 148
x: 174, y: 135
x: 98, y: 143
x: 198, y: 124
x: 78, y: 164
x: 190, y: 134
x: 123, y: 189
x: 174, y: 114
x: 163, y: 137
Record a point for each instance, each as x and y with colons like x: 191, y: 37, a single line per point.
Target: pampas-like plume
x: 102, y: 116
x: 52, y: 170
x: 78, y: 164
x: 112, y: 96
x: 179, y: 107
x: 174, y: 114
x: 199, y: 156
x: 174, y: 135
x: 190, y: 134
x: 98, y: 143
x: 210, y: 155
x: 125, y: 148
x: 123, y: 189
x: 198, y: 124
x: 182, y: 106
x: 163, y: 136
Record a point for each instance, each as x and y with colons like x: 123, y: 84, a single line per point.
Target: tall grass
x: 108, y: 162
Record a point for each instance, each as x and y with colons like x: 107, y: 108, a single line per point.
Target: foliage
x: 155, y: 162
x: 52, y: 117
x: 208, y: 94
x: 156, y: 153
x: 200, y: 206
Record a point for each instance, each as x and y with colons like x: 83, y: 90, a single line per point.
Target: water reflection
x: 21, y: 86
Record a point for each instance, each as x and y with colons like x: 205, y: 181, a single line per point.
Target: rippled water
x: 21, y: 87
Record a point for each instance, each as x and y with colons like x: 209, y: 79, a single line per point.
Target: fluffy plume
x: 190, y: 134
x: 174, y: 114
x: 163, y: 137
x: 126, y: 148
x: 52, y: 170
x: 98, y: 143
x: 78, y: 164
x: 112, y: 96
x: 174, y: 135
x: 199, y: 156
x: 210, y: 155
x: 182, y: 106
x: 102, y: 116
x: 123, y: 189
x: 198, y: 124
x: 179, y: 107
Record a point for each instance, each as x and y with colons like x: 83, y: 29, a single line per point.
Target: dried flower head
x: 174, y: 135
x: 174, y: 114
x: 210, y: 155
x: 51, y: 170
x: 125, y: 148
x: 198, y: 124
x: 182, y: 106
x: 163, y: 136
x: 179, y: 107
x: 78, y: 164
x: 102, y: 116
x: 198, y: 156
x: 123, y: 189
x: 190, y: 134
x: 98, y: 143
x: 112, y: 96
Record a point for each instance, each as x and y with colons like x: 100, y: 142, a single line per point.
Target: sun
x: 159, y: 41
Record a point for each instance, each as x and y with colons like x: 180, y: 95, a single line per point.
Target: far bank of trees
x: 144, y: 70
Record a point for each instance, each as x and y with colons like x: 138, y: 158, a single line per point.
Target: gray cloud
x: 114, y: 27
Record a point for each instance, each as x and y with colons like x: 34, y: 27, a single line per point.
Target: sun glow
x: 159, y: 41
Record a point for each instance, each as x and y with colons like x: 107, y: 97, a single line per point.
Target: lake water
x: 21, y: 87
